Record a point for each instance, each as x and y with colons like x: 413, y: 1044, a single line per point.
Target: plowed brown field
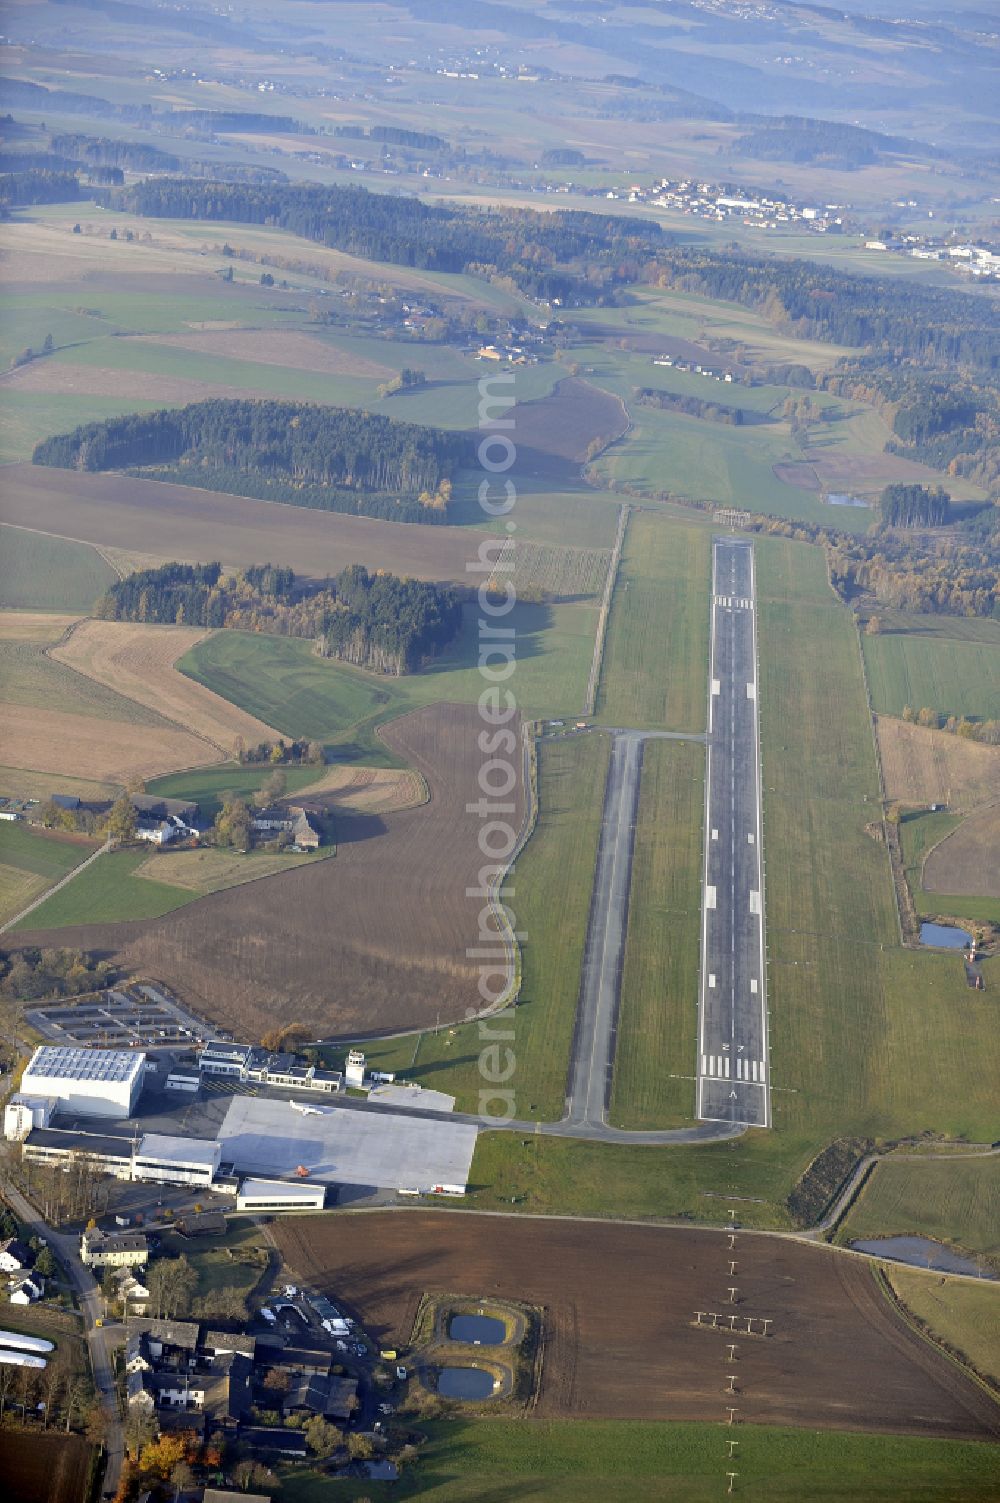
x: 192, y: 526
x: 967, y: 860
x: 373, y: 939
x: 553, y: 434
x: 138, y: 661
x: 619, y: 1317
x: 88, y: 746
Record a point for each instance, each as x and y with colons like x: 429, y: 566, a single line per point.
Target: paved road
x: 733, y: 1064
x: 65, y: 1248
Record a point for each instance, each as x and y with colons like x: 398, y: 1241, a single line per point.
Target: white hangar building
x: 88, y: 1082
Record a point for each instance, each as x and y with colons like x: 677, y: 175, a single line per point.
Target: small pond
x: 465, y: 1383
x: 945, y: 936
x: 477, y: 1330
x: 921, y: 1252
x: 838, y: 498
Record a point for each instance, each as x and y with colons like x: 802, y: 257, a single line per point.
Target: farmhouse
x: 292, y: 820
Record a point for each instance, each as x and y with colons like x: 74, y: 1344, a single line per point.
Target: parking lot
x: 140, y: 1016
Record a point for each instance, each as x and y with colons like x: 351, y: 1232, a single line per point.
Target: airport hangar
x: 273, y: 1139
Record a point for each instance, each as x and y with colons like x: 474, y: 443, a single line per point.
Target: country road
x: 65, y: 1248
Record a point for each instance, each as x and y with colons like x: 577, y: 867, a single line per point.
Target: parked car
x: 401, y: 1373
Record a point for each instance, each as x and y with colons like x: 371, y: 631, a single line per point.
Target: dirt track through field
x: 621, y: 1338
x: 373, y: 939
x: 138, y: 661
x: 194, y: 526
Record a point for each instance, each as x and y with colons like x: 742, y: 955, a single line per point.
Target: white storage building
x: 87, y: 1082
x: 280, y: 1195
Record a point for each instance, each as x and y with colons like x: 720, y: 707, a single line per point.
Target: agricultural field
x: 950, y: 1199
x: 282, y: 681
x: 169, y: 522
x: 950, y: 674
x: 47, y: 1468
x: 32, y: 860
x: 40, y: 573
x: 656, y: 1039
x: 138, y: 661
x: 631, y: 1461
x: 208, y: 869
x: 967, y: 860
x: 949, y: 863
x: 110, y: 891
x: 313, y: 945
x: 924, y: 766
x: 963, y: 1316
x: 840, y: 1355
x: 58, y: 720
x: 654, y: 673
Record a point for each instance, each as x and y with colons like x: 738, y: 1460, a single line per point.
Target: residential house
x: 113, y: 1249
x: 15, y: 1257
x: 25, y: 1290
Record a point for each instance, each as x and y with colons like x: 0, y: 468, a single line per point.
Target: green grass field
x: 657, y: 1023
x: 108, y: 892
x: 40, y: 573
x: 655, y: 668
x: 952, y: 675
x: 630, y: 1461
x: 281, y: 679
x: 964, y: 1316
x: 953, y: 1200
x: 34, y: 850
x: 552, y: 900
x: 30, y: 862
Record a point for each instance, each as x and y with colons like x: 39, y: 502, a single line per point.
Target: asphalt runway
x: 734, y: 1076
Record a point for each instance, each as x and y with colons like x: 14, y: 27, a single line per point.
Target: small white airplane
x: 307, y: 1111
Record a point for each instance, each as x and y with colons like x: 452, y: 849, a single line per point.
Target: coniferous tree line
x: 914, y: 506
x: 887, y: 315
x: 692, y: 406
x: 376, y: 621
x: 548, y: 256
x: 389, y: 624
x: 337, y: 459
x: 37, y: 186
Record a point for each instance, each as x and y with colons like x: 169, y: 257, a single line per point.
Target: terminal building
x: 86, y: 1082
x: 247, y: 1062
